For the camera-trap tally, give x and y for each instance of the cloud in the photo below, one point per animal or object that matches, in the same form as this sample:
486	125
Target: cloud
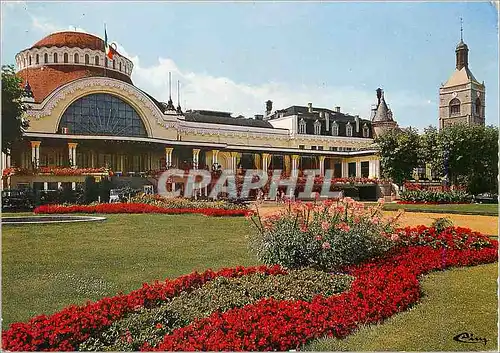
45	27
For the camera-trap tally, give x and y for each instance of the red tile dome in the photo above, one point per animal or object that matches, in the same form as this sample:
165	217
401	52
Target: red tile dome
72	40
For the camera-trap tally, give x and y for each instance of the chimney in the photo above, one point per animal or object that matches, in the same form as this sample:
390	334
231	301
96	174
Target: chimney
337	109
327	121
269	107
356	118
310	105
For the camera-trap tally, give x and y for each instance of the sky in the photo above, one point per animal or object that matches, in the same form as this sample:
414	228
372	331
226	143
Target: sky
234	56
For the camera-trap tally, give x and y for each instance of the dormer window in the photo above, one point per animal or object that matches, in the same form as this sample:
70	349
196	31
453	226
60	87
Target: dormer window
366	131
317	127
348	130
335	129
302	126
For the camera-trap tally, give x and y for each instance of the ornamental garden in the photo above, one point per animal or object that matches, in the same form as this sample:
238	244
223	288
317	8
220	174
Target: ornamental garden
287	279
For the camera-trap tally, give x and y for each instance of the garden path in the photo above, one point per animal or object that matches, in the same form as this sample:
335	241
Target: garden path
484	224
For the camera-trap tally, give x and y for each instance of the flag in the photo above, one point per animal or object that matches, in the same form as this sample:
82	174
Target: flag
108	48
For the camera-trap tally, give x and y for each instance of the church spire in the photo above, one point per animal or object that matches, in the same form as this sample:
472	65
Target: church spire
170	104
462	50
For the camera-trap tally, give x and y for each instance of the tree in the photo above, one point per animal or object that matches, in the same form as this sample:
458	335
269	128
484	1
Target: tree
399	153
13	108
430	151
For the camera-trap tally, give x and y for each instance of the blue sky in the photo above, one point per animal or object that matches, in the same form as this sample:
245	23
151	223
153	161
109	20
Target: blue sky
235	56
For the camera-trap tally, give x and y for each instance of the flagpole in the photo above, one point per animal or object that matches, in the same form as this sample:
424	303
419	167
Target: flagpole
105	54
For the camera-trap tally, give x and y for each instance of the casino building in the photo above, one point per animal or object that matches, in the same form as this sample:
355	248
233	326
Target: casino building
86	115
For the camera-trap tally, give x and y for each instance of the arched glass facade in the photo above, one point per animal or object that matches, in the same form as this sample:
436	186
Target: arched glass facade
101	114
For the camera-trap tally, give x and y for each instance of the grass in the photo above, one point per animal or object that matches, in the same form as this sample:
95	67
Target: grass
48	267
455	301
473	209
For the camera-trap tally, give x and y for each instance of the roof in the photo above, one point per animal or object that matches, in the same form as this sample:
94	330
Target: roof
460	77
383	112
304	112
46	79
72	40
213	117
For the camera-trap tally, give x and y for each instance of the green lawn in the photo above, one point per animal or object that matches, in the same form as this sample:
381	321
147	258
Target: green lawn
475	209
455	301
47	267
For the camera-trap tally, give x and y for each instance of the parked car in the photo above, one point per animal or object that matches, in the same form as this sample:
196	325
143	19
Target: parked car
486	198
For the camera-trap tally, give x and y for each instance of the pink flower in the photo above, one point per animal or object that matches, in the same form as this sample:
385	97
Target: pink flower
343	226
325	225
375	220
303	228
395	237
318	237
326	245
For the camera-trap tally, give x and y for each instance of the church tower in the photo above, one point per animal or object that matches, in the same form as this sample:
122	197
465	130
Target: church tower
462	97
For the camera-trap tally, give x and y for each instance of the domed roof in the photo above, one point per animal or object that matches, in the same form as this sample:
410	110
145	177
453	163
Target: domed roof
71	39
461	45
44	80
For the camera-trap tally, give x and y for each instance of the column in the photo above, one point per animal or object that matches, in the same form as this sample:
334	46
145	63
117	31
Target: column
377	168
35	153
266	159
233	162
92	159
358	169
371	169
344	170
168	157
215	154
72	154
196	153
295	165
321	165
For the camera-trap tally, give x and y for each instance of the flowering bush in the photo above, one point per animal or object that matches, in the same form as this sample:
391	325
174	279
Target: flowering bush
180	202
323	235
436	197
137	208
57	171
220	294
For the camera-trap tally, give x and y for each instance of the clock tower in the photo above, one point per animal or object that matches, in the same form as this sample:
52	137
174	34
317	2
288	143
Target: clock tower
462	97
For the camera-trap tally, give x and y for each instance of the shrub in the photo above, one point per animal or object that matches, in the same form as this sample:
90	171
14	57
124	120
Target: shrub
326	236
441	223
219	295
179	202
434	196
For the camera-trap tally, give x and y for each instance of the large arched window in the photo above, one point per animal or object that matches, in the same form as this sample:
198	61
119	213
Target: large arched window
102	114
454	107
76	58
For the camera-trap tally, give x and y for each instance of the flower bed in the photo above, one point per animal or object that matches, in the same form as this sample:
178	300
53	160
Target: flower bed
381	288
137	208
182	202
60	171
436	197
431	203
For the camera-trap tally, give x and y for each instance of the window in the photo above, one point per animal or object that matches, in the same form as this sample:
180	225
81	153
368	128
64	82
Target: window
320	148
302	126
335	129
76	58
365	169
313	148
317	127
65	58
96	60
45	58
29	60
366	131
301	147
348	129
37	60
102	114
114	64
454	107
333	148
105	61
87	60
351	170
55	58
478	106
120	66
